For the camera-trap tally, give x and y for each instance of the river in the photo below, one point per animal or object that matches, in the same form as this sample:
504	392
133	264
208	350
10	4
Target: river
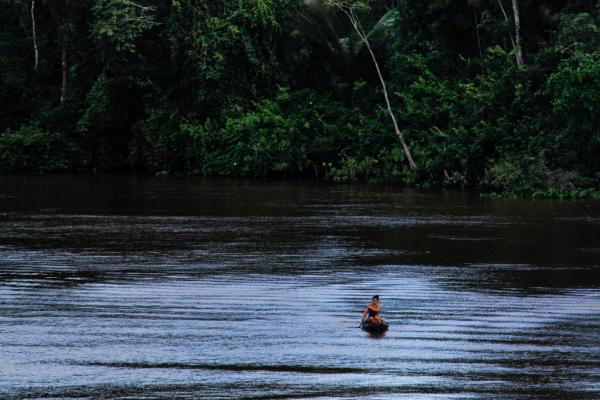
124	287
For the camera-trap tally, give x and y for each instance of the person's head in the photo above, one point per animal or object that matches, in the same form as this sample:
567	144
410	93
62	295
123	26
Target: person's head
375	299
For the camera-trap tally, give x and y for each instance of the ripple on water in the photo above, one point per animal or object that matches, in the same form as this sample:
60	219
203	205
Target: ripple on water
162	289
256	331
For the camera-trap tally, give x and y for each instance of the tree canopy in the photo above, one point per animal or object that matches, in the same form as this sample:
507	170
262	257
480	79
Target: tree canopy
492	95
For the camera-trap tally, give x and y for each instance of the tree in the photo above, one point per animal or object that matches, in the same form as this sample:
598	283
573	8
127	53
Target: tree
337	47
516	40
34	37
118	23
350	8
63	53
518	48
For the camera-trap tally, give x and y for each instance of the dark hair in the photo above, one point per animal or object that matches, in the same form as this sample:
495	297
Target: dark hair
375	297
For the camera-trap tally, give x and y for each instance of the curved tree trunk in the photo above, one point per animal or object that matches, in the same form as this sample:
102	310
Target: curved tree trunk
35	46
407	152
349	11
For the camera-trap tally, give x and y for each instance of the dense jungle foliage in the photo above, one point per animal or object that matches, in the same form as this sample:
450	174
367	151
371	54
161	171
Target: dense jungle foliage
286	88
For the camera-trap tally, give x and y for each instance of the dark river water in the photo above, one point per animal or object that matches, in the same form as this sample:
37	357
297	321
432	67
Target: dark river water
119	287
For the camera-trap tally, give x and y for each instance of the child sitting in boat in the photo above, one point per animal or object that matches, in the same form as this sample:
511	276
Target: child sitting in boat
373	310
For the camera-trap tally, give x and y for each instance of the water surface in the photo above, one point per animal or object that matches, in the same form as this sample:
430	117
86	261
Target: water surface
118	287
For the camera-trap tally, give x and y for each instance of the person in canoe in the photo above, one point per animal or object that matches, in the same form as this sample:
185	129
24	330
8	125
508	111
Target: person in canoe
373	311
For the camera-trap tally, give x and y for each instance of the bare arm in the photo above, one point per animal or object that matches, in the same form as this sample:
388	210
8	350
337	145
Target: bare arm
364	314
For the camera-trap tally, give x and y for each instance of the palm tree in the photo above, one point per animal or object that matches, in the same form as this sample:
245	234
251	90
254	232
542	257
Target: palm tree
347	49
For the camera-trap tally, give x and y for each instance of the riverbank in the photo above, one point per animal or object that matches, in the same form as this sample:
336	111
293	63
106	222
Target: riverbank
567	189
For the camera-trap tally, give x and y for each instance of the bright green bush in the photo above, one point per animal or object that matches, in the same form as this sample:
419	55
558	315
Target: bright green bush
574	90
516	174
293	134
32	149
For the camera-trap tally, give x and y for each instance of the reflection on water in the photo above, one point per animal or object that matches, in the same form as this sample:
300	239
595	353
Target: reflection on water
122	287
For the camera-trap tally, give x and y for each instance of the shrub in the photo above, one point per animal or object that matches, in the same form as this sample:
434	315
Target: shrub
32	149
516	175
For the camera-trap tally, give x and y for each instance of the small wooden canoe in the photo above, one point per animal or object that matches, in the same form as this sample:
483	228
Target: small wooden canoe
375	328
